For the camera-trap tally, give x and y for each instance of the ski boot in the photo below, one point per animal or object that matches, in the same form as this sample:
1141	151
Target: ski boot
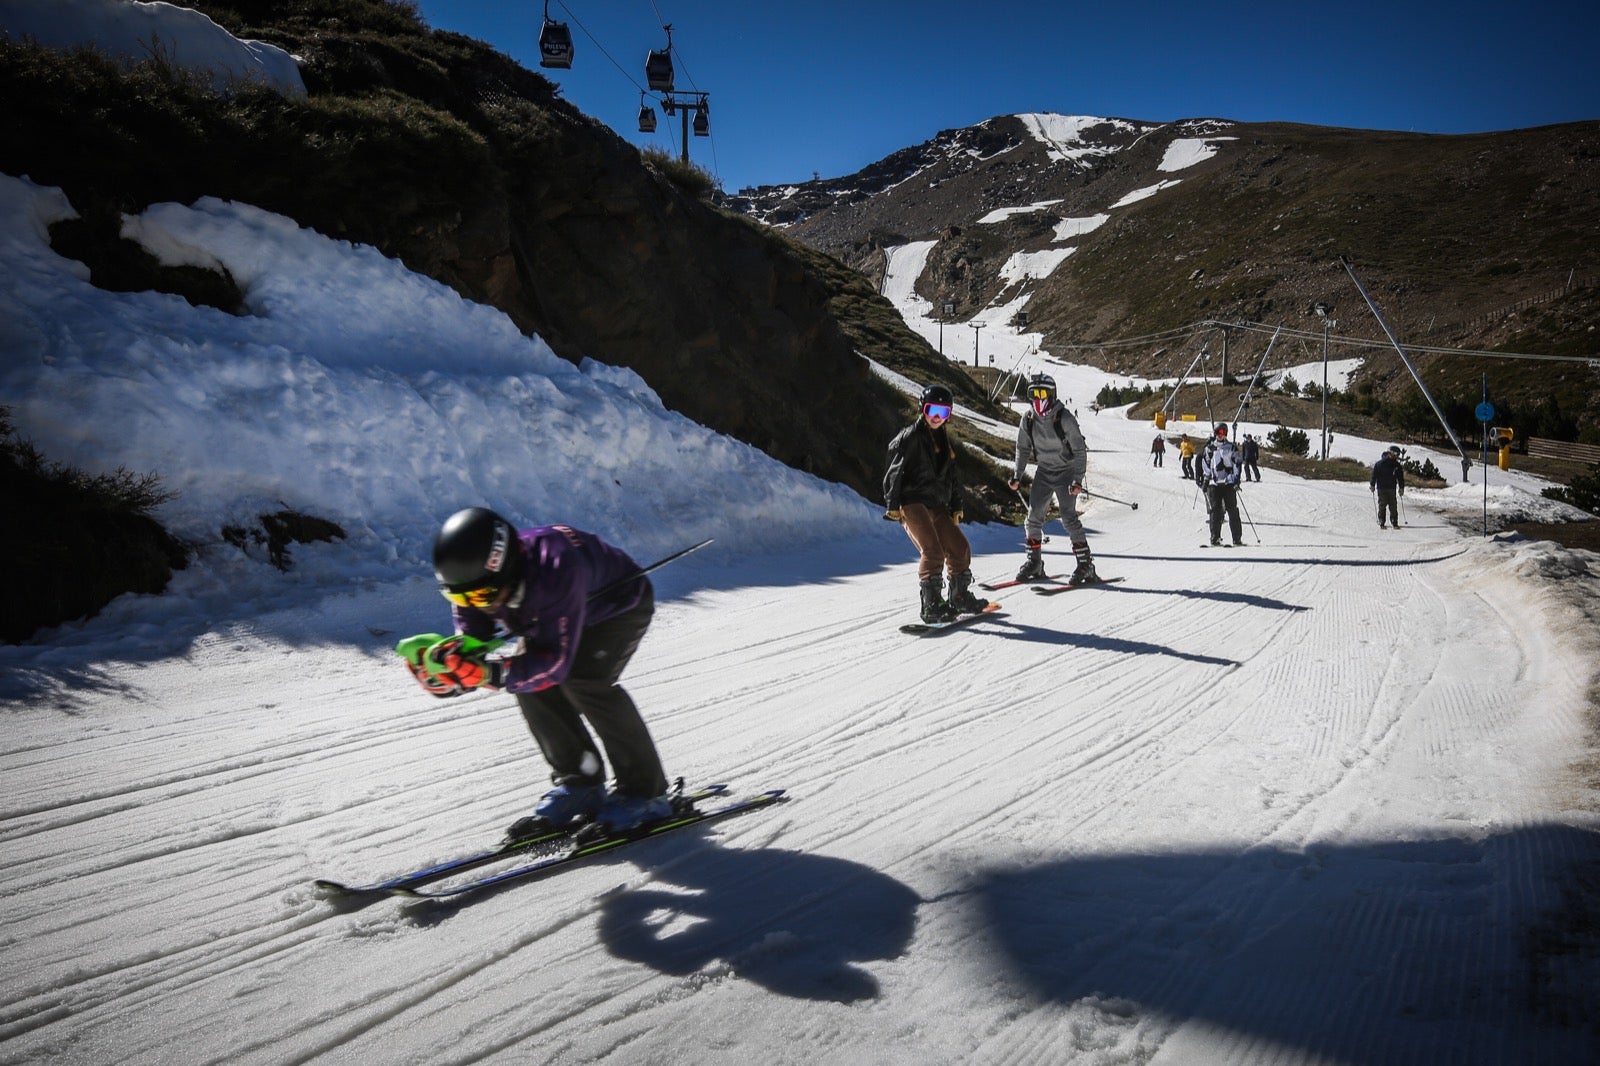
1033	568
573	799
622	813
1084	574
934	607
961	596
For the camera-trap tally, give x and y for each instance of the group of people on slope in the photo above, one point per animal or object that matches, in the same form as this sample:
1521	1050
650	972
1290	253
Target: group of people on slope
922	492
1250	453
553	614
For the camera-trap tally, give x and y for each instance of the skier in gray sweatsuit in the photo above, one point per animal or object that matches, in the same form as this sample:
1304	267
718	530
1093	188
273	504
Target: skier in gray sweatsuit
1050	437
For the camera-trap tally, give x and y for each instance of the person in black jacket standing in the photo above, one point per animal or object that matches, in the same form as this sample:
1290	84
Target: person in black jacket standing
1388	479
922	493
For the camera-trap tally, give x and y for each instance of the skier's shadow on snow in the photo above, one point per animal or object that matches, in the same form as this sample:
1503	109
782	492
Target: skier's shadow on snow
794	923
1014	630
1453	951
1221	597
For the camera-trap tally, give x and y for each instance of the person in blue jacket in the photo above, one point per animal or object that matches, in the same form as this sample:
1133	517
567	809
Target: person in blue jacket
571	609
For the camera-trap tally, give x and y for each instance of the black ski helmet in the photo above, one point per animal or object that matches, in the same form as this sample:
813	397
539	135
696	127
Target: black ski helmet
1220	430
1043	381
937	394
476	549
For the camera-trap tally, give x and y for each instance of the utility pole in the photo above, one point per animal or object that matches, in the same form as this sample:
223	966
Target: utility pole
976	326
1323	311
945	311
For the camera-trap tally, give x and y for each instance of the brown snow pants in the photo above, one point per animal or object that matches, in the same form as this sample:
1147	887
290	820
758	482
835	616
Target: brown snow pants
934	531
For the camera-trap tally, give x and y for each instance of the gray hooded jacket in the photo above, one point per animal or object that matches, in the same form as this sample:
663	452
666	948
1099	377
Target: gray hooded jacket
1054	441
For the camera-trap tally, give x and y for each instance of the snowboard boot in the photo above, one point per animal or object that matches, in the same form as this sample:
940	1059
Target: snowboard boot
1033	568
934	607
961	596
1084	574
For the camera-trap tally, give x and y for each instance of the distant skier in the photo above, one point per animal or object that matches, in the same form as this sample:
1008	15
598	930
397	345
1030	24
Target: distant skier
1388	480
538	587
922	493
1050	437
1186	456
1220	465
1158	450
1252	458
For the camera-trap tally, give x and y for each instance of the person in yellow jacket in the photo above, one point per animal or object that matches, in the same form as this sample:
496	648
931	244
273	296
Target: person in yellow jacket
1186	453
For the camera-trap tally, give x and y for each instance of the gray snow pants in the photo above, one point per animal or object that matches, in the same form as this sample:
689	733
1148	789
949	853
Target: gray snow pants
1056	483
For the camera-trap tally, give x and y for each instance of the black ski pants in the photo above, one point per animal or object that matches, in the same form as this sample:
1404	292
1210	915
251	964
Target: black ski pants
556	715
1224	498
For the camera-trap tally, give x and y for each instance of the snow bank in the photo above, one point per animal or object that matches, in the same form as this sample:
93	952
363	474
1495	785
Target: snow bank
352	389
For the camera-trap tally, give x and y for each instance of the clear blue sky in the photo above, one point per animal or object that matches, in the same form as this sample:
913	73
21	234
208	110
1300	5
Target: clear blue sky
828	87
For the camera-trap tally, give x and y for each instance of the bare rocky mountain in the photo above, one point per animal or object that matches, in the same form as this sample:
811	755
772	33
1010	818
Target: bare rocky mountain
1104	229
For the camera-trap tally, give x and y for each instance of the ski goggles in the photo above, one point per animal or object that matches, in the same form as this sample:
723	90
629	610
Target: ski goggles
1040	393
480	597
936	410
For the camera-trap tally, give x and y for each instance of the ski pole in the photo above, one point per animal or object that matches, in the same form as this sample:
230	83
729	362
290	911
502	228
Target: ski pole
643	570
1240	497
1113	499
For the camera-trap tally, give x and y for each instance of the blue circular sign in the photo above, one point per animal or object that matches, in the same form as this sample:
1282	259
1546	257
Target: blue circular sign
1485	412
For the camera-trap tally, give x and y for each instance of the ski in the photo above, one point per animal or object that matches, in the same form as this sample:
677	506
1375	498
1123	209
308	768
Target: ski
450	867
1224	544
583	849
922	629
995	586
1085	585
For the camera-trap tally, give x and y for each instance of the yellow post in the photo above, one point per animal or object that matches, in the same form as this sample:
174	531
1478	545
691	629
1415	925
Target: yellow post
1161	420
1505	433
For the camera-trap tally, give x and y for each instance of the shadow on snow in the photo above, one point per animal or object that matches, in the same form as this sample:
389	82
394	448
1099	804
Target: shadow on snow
1446	951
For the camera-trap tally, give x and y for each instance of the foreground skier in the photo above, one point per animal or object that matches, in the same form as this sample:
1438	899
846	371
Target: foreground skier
576	608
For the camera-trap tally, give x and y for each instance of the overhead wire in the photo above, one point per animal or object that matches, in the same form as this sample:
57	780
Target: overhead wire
602	49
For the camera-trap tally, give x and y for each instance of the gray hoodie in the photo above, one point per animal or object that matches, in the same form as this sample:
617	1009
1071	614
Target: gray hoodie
1054	441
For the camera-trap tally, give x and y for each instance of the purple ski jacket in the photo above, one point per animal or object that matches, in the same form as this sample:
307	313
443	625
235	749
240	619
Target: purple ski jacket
565	566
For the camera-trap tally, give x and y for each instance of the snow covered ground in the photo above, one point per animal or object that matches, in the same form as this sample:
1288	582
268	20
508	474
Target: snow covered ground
1317	799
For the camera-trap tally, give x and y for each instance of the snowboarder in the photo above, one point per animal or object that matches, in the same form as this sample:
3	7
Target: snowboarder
922	493
1050	437
1388	479
1252	458
1158	450
1186	456
1220	465
574	609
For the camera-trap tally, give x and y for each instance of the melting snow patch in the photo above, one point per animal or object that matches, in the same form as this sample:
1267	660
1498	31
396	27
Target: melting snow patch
1186	152
1143	194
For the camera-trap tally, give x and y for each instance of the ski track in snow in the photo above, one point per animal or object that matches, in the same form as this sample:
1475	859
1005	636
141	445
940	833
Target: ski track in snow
1285	803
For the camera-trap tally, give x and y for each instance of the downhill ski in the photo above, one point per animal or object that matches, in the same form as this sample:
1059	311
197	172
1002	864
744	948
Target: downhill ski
995	585
1085	585
451	867
585	849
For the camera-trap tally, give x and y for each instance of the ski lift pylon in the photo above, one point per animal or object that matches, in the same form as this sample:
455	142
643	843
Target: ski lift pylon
658	67
555	42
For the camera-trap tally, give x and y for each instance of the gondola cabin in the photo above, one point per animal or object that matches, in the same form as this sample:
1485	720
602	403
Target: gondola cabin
647	118
658	70
555	45
702	122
